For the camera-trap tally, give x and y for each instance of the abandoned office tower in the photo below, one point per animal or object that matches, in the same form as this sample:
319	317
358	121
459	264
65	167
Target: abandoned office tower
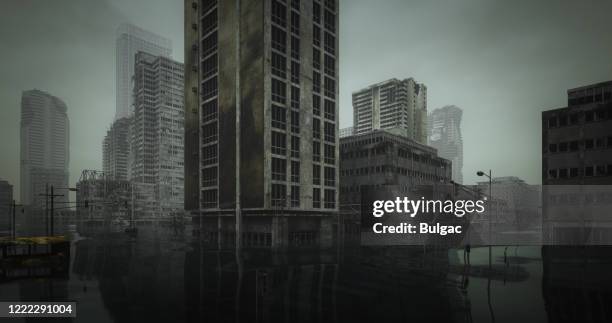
157	132
398	106
261	122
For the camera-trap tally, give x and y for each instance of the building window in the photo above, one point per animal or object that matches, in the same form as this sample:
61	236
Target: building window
563	147
552	122
330	132
600	170
316	58
209	88
279	39
295	171
552	148
295	97
316	12
316	105
330	110
279	117
279	143
330	176
330	21
563	173
316	128
295	72
316	35
574	172
295	5
295	22
209	155
209	176
316	198
316	174
588	171
295	48
209	110
552	173
279	195
573	145
295	121
209	132
330	87
330	4
209	22
589	143
279	169
209	199
209	66
295	146
330	65
330	199
279	65
330	154
589	116
279	91
316	151
295	196
316	82
279	13
209	44
330	43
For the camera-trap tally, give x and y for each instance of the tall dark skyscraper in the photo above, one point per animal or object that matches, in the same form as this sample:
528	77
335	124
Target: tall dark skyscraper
45	142
262	118
444	132
156	135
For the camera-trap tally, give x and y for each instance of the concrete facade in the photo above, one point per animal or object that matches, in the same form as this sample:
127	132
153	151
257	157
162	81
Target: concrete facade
381	158
264	118
399	104
444	134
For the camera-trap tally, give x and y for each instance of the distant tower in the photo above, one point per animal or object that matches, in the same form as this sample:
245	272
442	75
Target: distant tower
116	150
444	130
396	105
45	141
130	40
156	135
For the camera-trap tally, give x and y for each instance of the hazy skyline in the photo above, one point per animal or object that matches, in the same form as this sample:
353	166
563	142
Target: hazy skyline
501	62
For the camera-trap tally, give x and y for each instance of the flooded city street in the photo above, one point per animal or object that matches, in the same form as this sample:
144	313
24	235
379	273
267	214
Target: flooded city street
167	277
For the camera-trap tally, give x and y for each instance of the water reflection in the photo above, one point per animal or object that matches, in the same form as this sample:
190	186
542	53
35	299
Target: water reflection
166	277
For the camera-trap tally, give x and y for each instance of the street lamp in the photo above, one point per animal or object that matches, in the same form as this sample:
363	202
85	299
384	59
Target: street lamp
481	173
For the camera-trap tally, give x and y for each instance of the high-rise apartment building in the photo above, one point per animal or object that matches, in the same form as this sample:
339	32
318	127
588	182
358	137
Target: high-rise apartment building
6	201
116	150
262	120
157	131
45	142
444	134
130	40
392	104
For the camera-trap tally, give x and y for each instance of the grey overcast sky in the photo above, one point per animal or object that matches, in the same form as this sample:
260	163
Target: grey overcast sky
502	62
